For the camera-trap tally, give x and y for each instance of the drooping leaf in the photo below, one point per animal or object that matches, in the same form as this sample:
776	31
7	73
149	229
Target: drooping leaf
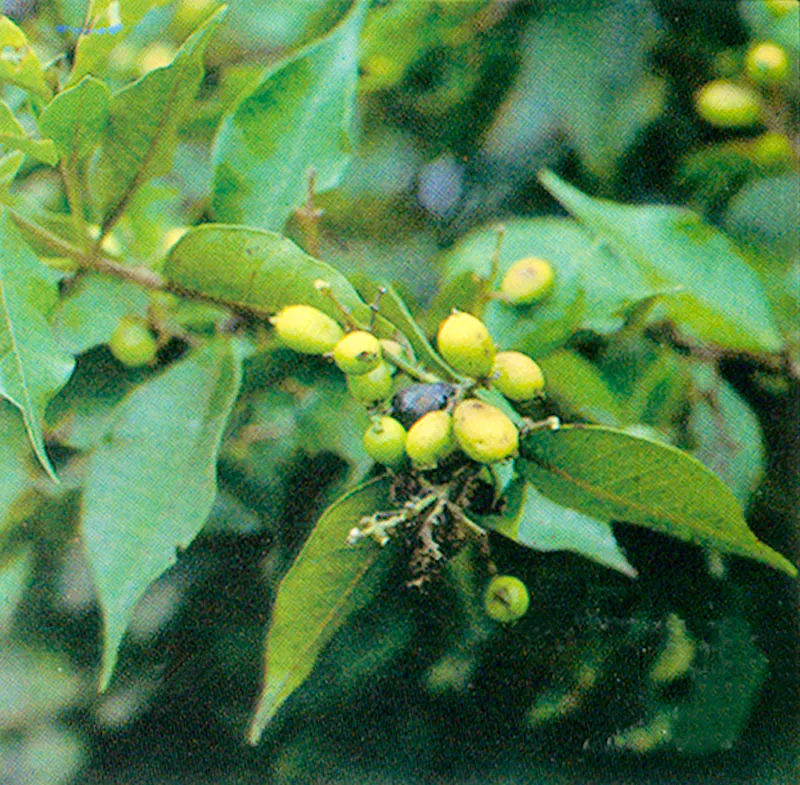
151	482
537	522
88	315
612	475
116	20
328	582
258	269
13	135
75	118
721	298
19	64
139	139
33	367
297	119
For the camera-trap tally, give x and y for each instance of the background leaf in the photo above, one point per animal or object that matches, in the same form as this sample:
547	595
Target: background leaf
612	475
297	119
19	64
140	137
328	582
13	135
75	118
721	301
16	475
33	367
164	438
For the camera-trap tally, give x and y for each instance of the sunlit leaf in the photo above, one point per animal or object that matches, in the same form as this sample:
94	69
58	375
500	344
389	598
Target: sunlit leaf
19	64
297	119
328	582
151	482
612	475
33	367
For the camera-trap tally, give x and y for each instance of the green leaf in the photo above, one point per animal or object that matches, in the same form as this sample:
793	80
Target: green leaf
328	582
88	315
296	120
19	64
578	385
14	575
13	135
257	269
722	299
117	19
140	137
16	476
75	118
151	483
33	367
536	522
615	476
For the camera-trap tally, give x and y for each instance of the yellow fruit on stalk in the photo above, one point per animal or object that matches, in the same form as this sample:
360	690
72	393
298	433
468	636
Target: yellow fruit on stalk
483	432
430	439
358	352
465	343
527	281
517	376
306	329
384	442
373	387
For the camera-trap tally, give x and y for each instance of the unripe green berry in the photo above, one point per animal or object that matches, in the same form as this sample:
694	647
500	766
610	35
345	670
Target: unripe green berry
506	598
369	388
132	343
780	8
466	344
358	352
306	329
430	439
384	442
517	376
724	104
483	432
772	149
527	281
767	63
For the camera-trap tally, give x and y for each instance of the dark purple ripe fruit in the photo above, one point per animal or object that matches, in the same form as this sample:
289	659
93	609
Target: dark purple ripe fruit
416	400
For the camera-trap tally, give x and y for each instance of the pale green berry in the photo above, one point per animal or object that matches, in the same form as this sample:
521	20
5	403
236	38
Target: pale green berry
358	352
767	63
371	387
430	439
132	343
724	104
306	329
527	281
483	432
384	442
465	343
517	376
506	598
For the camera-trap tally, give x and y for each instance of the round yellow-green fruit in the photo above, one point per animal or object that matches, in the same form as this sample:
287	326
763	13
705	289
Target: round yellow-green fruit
358	352
506	598
373	386
384	442
767	63
527	281
465	343
483	432
132	343
430	439
306	329
517	376
724	104
772	149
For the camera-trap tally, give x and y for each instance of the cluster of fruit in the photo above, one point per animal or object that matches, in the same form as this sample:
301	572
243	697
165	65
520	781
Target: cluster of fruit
738	102
428	421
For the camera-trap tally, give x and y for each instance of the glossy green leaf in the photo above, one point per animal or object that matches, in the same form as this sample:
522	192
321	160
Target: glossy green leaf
537	522
257	269
13	135
296	120
89	313
328	582
33	367
721	298
576	384
612	475
117	19
139	140
151	482
19	64
75	118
